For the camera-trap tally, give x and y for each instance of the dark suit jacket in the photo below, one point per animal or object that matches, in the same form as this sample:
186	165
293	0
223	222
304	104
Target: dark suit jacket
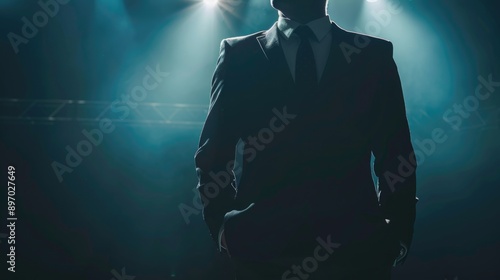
309	173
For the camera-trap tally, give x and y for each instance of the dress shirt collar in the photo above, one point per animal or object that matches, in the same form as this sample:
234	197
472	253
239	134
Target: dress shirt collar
320	27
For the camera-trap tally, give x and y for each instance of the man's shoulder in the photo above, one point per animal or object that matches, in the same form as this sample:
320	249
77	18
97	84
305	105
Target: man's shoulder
243	41
358	40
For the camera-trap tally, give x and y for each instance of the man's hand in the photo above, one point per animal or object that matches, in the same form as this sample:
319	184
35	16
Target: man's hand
402	254
403	250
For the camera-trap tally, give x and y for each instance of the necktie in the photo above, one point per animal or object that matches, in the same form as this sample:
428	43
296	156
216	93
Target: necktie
306	77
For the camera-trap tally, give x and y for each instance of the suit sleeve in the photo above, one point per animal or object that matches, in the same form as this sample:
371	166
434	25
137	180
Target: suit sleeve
215	156
395	164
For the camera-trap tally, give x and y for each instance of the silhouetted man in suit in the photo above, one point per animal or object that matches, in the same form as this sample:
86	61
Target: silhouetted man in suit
310	103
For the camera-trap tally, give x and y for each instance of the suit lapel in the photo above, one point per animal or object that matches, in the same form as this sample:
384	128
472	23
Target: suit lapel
335	77
336	68
270	45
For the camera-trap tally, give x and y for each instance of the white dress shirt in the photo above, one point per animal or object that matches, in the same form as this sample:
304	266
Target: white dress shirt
322	29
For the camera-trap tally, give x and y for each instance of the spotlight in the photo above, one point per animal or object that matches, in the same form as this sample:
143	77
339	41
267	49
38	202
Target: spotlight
211	3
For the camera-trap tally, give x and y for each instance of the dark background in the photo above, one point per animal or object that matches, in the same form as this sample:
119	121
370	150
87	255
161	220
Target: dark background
120	207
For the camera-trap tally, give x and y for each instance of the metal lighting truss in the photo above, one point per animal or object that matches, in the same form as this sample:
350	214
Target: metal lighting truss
39	111
48	112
